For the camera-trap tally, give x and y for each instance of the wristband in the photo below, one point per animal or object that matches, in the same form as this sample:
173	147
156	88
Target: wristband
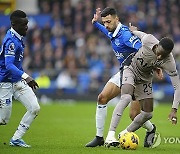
25	75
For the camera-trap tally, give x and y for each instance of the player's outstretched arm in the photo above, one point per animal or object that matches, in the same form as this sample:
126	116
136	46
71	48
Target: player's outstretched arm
135	31
96	15
97	24
170	68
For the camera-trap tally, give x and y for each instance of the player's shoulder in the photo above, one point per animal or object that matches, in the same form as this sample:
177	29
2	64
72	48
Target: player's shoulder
150	40
10	38
125	29
126	33
10	42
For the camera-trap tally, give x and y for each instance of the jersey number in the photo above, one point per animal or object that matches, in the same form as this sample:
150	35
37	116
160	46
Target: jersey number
147	88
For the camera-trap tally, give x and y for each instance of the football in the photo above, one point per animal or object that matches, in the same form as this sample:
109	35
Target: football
129	141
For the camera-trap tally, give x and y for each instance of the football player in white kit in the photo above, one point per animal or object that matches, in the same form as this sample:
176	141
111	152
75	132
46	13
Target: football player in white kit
137	80
14	81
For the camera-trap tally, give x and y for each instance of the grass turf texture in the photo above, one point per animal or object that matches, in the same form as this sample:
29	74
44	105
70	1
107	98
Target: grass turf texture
65	128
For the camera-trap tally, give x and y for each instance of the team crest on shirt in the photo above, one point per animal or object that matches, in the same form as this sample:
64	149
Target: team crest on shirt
11	47
118	55
117	42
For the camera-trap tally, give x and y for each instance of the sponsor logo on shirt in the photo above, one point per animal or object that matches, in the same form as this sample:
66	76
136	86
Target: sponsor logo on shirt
118	55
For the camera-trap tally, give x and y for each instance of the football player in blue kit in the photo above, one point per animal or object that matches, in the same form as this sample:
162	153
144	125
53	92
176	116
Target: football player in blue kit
14	82
124	44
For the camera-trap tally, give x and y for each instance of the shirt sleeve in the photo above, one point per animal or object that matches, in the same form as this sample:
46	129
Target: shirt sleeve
131	40
10	51
147	39
139	34
170	67
101	28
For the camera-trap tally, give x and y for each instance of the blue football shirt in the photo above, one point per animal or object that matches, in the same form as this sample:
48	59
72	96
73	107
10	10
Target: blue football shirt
122	40
11	57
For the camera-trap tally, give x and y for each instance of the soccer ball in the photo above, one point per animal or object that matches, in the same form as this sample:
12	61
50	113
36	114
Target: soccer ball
129	141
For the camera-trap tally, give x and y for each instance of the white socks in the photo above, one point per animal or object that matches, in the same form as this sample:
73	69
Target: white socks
19	132
111	134
24	125
101	112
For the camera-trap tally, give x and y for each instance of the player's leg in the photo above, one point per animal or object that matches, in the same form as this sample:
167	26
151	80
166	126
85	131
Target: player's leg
150	134
110	91
145	114
6	93
135	109
143	92
126	98
26	96
127	90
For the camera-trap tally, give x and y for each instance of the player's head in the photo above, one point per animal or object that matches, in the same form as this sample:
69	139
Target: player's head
110	18
19	22
164	48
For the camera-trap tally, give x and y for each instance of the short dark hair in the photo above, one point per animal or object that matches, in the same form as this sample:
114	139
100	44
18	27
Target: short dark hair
17	14
167	44
108	11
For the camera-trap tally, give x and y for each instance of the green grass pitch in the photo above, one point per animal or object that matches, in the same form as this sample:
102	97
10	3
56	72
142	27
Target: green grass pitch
65	128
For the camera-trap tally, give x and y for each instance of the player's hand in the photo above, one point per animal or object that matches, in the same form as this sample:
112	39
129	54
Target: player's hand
32	83
96	15
132	28
172	116
159	73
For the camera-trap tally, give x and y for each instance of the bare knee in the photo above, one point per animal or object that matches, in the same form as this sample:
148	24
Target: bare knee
133	114
135	109
102	99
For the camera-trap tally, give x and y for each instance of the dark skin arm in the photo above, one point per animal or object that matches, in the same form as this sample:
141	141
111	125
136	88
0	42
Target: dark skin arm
173	116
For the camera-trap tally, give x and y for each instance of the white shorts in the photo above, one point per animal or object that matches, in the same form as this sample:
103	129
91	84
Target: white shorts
115	79
21	91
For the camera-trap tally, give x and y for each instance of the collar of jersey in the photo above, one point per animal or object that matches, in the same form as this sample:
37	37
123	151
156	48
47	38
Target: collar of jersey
117	30
16	34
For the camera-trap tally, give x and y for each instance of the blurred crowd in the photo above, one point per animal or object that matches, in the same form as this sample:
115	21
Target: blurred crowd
69	53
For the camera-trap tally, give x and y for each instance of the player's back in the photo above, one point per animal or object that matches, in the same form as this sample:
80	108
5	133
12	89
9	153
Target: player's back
145	60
